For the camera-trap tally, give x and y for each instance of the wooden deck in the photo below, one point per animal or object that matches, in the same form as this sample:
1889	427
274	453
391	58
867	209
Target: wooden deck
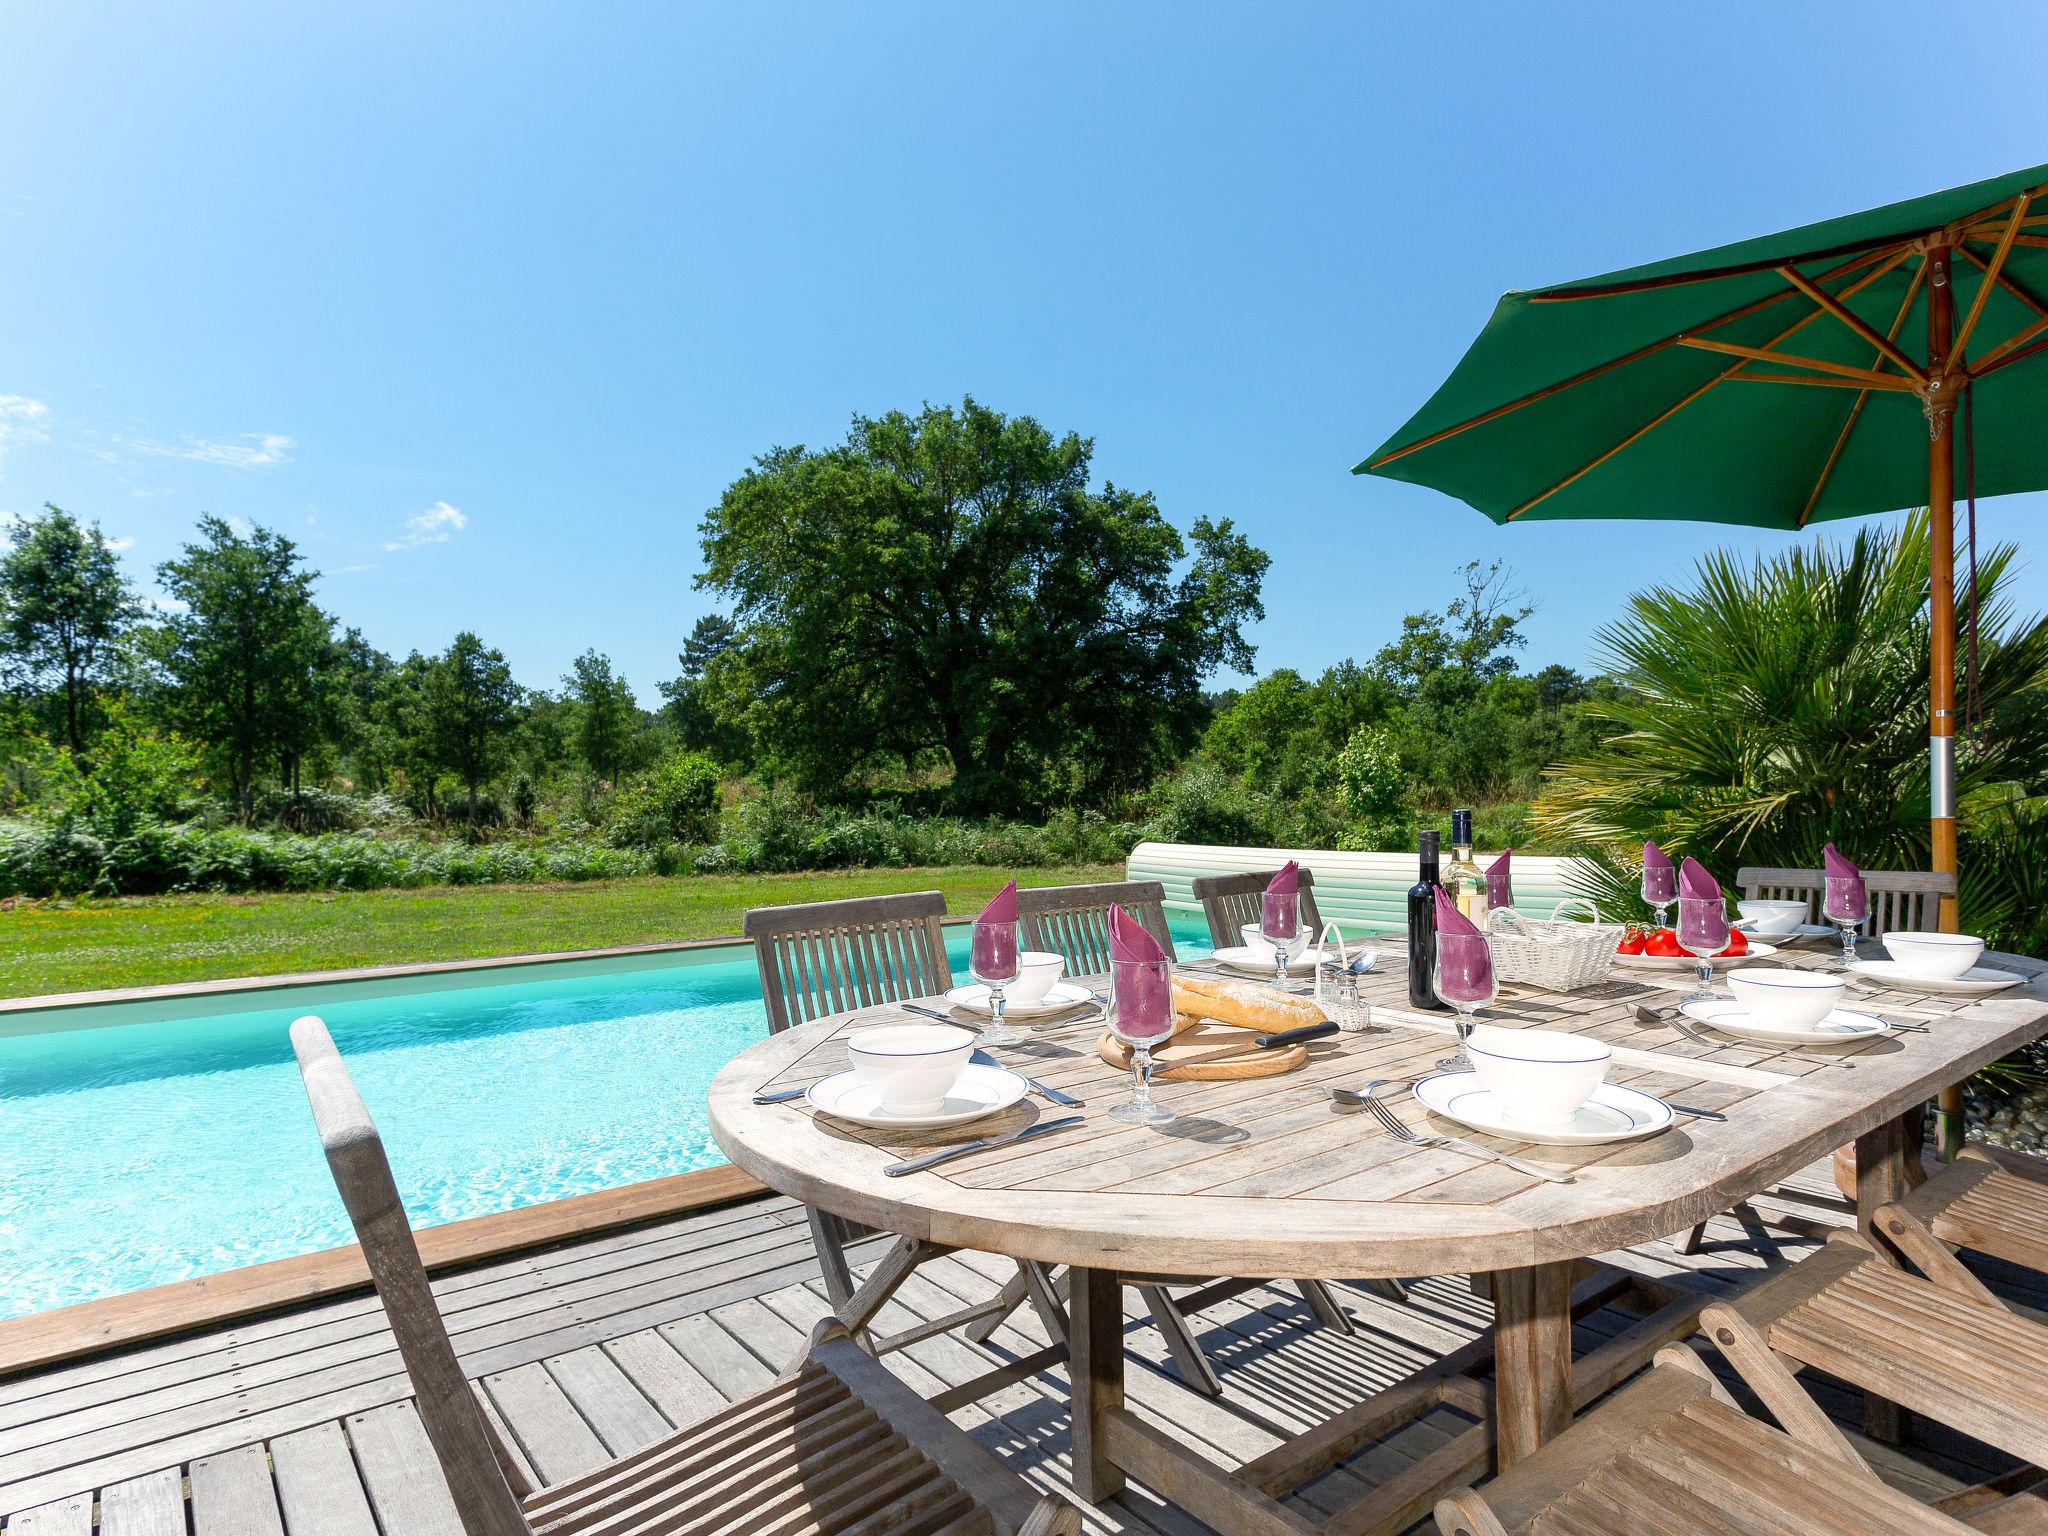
299	1422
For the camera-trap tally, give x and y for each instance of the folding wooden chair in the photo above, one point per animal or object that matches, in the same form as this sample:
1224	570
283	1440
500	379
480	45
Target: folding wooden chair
1231	901
1989	1199
1672	1455
836	1445
1907	899
831	956
1952	1354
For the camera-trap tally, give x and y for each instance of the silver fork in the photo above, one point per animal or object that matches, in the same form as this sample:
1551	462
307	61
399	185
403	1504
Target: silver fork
1394	1127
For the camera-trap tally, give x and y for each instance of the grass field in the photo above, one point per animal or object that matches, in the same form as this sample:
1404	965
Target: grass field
72	946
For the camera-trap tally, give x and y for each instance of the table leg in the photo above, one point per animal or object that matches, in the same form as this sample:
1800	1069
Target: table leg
1532	1358
1881	1176
1095	1366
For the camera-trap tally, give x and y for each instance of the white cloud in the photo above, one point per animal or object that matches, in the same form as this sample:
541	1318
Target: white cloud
247	450
162	604
120	545
437	525
22	420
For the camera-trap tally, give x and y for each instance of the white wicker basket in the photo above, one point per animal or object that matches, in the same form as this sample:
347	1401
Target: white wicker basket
1553	954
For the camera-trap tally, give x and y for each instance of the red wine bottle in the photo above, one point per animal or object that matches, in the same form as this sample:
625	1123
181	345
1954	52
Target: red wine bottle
1422	928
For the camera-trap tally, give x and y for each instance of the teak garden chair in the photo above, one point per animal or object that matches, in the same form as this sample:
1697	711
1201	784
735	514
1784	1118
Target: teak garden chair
1900	899
1989	1199
1072	921
831	956
1672	1453
1231	901
837	1445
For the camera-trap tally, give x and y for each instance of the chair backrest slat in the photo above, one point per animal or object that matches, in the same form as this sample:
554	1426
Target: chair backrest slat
1231	901
1072	921
1899	898
454	1423
831	956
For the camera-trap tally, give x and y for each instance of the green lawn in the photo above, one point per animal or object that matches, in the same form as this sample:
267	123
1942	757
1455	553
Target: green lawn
67	946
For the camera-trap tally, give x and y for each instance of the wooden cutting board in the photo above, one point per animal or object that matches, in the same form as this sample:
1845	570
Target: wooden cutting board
1206	1051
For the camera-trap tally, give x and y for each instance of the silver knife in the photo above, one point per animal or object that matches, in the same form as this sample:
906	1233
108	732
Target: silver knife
946	1154
1043	1090
780	1095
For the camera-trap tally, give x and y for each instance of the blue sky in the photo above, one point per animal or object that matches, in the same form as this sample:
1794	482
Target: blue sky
485	304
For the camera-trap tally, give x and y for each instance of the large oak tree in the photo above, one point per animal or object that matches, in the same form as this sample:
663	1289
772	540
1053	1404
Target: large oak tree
947	588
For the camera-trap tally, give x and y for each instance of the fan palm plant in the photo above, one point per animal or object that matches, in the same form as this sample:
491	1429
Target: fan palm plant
1781	704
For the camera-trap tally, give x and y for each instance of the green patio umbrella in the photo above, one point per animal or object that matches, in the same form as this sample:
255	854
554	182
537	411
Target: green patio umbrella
1777	382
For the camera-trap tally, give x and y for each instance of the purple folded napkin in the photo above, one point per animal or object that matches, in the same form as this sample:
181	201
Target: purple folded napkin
1695	883
1450	922
1702	916
1464	960
1280	911
1500	890
1847	897
995	935
1140	981
1660	881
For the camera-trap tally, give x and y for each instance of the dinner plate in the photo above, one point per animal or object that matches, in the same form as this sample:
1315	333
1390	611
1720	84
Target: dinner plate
1977	981
980	1091
1731	1018
1613	1113
1798	935
1059	997
1758	950
1242	957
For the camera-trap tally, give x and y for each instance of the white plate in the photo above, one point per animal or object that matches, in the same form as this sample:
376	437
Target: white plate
1758	950
1843	1024
980	1091
1803	932
1614	1113
1059	997
1242	957
1977	981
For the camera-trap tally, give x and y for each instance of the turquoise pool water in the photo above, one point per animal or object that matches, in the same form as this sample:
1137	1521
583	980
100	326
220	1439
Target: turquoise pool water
145	1152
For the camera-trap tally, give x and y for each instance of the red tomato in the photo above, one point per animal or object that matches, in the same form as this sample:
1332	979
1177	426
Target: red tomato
1631	941
1737	943
1664	942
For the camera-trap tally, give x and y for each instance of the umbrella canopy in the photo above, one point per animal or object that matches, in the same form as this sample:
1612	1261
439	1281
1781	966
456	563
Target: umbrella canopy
1774	382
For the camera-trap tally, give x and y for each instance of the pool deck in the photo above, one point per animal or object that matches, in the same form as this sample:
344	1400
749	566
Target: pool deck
299	1421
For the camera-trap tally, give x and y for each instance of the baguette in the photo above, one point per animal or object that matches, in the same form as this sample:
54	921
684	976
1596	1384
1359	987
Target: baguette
1244	1004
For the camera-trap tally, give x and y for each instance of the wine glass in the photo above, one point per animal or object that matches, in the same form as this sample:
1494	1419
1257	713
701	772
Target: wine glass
1280	926
1465	980
995	962
1141	1015
1660	888
1846	904
1703	934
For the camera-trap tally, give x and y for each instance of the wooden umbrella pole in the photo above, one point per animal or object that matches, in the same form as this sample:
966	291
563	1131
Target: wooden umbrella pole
1940	400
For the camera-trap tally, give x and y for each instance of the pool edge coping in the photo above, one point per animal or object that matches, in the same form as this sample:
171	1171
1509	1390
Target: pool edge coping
44	1339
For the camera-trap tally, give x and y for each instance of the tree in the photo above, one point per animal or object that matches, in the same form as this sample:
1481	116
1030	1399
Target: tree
606	714
64	605
244	659
1478	631
709	638
471	705
947	590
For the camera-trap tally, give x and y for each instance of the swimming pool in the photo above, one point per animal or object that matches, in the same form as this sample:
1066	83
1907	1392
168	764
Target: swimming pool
141	1148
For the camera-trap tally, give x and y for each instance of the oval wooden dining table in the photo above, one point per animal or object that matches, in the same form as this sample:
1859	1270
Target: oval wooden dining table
1267	1178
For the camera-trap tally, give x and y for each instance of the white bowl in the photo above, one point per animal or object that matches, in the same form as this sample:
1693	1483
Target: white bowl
1938	956
1783	998
1537	1076
911	1067
1261	946
1772	919
1037	970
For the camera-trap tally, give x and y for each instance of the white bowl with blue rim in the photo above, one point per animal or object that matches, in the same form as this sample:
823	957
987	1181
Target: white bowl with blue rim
1037	970
1780	997
1937	956
1537	1076
910	1067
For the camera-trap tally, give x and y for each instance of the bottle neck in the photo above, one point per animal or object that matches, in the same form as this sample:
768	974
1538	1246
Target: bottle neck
1461	853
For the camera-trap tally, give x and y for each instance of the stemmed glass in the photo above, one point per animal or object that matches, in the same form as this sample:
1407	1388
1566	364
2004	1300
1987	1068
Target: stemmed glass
1660	888
1703	934
1140	1015
995	962
1846	904
1465	980
1280	926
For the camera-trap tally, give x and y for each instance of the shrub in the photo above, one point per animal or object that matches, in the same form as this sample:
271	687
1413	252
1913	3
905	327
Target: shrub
676	803
1203	804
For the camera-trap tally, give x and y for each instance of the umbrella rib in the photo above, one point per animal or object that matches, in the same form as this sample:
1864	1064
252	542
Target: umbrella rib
1865	376
1741	312
2006	359
1824	381
1862	397
1995	359
1855	322
1670	411
2012	228
2008	282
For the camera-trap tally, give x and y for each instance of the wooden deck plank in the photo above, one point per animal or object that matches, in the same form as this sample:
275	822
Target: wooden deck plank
612	1406
318	1486
232	1495
716	1355
669	1381
60	1517
400	1474
153	1505
554	1436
